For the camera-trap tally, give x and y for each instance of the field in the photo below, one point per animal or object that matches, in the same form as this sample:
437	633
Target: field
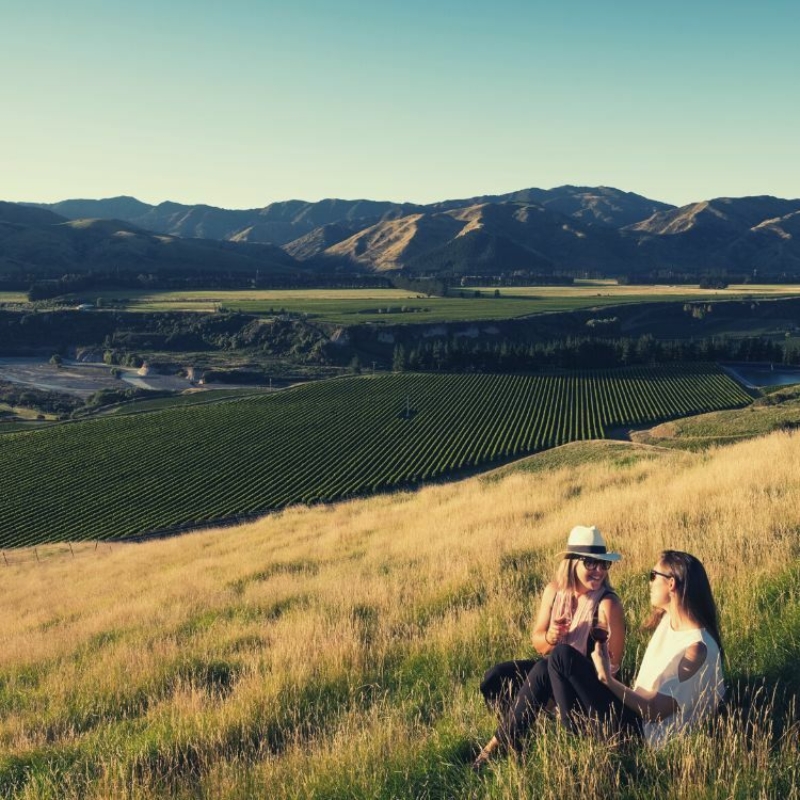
193	465
352	306
13	299
335	652
779	410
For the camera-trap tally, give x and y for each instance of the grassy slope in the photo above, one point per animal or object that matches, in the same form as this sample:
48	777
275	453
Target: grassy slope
779	410
336	651
125	475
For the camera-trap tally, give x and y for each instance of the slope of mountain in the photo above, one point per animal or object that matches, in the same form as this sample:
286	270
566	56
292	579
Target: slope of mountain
15	214
388	245
320	239
193	222
479	253
123	207
601	205
47	248
285	221
601	229
277	223
771	246
707	235
717	216
529	235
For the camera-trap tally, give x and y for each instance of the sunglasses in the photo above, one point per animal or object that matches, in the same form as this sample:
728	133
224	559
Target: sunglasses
594	563
654	572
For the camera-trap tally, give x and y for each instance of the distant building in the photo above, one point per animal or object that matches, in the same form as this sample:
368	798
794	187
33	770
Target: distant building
194	375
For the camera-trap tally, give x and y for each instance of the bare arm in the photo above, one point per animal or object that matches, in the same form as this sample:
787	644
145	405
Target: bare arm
610	611
649	704
545	633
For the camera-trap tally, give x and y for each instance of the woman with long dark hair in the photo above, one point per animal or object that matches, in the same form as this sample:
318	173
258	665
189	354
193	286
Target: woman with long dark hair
680	680
577	604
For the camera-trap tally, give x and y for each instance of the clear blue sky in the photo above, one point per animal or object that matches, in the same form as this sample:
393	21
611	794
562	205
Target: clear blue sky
245	102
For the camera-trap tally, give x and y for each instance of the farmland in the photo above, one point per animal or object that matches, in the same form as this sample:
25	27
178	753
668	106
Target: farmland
354	306
127	475
336	651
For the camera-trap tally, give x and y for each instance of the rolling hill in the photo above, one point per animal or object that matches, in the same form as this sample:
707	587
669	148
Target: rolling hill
569	229
36	243
336	651
725	233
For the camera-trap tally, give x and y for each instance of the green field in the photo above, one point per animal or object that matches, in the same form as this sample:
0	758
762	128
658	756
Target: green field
124	475
335	652
351	306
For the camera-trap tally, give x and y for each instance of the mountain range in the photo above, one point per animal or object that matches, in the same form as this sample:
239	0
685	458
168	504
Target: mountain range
536	231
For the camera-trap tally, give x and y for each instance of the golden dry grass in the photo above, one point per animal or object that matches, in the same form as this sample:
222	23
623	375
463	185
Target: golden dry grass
335	651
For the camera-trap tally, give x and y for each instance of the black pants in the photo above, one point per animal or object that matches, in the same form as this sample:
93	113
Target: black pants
517	691
579	693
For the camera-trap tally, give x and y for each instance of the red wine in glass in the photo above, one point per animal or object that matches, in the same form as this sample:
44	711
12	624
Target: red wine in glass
600	632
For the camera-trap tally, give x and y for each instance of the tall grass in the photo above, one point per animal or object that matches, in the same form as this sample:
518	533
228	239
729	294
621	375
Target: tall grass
336	651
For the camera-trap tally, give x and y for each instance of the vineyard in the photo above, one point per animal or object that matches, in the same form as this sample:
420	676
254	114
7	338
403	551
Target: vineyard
115	477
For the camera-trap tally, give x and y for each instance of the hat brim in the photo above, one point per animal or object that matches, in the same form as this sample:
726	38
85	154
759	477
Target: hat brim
598	556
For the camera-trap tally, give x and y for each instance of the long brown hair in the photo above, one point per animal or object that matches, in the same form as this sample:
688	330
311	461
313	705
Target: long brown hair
694	591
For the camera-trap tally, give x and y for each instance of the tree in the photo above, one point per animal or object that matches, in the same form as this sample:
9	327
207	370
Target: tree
399	359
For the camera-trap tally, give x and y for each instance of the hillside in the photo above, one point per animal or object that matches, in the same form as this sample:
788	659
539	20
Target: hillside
277	223
567	229
387	245
523	237
720	233
319	443
337	651
601	205
35	243
317	241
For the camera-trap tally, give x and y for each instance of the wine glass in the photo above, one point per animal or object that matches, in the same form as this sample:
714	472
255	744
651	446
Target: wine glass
599	631
562	613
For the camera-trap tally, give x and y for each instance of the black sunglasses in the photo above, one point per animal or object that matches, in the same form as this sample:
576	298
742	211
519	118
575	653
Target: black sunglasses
594	563
654	572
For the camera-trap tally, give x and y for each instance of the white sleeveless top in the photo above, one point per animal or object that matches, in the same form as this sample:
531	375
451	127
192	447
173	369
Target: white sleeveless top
696	697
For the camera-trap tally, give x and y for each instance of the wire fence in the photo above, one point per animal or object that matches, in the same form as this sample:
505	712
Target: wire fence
47	552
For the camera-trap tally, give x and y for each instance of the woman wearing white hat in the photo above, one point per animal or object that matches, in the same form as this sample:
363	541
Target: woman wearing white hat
680	680
578	607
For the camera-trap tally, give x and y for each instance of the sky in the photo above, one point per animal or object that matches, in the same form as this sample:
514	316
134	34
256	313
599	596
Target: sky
242	103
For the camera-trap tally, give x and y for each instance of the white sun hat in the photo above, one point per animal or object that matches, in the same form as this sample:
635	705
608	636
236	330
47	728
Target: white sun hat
588	541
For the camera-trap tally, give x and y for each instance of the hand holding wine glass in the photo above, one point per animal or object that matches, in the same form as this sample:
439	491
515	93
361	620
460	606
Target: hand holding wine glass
600	655
560	619
600	631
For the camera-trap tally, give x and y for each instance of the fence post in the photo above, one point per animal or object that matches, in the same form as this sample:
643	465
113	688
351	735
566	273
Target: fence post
36	553
70	549
4	557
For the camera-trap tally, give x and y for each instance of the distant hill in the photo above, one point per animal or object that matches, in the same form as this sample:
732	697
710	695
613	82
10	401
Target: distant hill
277	223
125	208
724	233
601	205
489	237
37	243
320	239
569	228
14	214
770	243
